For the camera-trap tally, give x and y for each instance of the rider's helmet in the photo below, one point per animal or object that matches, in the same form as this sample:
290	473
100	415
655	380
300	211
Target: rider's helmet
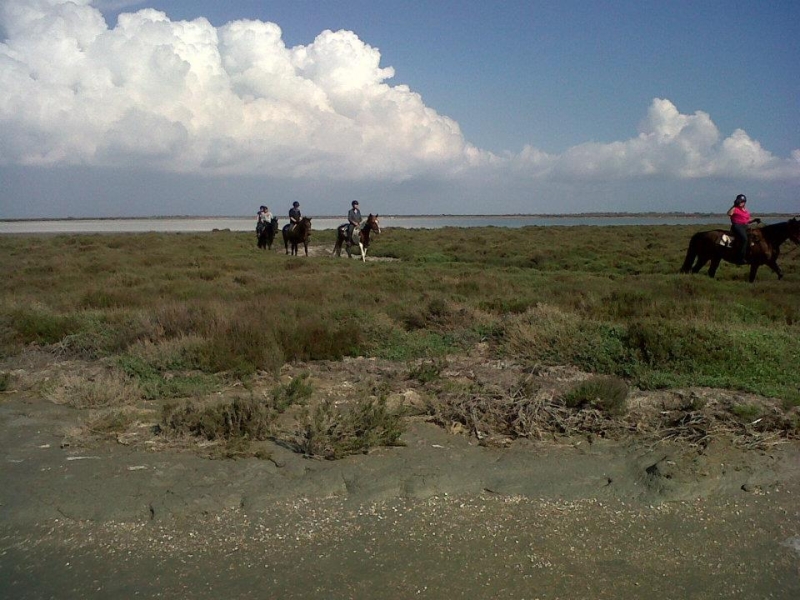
295	204
740	199
354	203
263	208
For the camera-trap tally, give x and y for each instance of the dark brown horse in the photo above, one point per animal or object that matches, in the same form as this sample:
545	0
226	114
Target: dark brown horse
300	234
764	247
370	225
266	233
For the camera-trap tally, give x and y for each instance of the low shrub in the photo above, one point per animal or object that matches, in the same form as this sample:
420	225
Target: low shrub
156	381
246	418
5	381
40	325
331	432
427	370
606	394
240	347
109	423
746	412
297	391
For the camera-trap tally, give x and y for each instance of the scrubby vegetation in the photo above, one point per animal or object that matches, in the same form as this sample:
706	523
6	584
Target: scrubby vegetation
176	317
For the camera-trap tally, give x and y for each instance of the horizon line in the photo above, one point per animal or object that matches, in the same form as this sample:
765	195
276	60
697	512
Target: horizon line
407	216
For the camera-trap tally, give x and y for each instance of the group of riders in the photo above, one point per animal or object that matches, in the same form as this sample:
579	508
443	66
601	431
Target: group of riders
738	213
265	217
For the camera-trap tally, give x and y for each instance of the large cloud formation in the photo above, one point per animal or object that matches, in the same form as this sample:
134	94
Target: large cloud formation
188	97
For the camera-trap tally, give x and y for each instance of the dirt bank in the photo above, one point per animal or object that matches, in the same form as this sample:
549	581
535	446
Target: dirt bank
445	515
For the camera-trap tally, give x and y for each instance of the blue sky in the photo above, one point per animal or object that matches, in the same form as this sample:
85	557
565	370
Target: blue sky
431	107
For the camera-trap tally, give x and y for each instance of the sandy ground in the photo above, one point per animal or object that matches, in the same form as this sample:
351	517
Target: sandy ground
441	517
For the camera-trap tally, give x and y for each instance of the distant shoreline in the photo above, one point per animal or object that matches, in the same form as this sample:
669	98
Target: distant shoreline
587	215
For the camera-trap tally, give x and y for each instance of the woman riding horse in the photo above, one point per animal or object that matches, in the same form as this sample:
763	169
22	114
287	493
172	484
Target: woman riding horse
765	248
372	224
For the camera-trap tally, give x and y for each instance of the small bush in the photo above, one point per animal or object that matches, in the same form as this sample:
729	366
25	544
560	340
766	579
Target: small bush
110	423
334	433
156	383
245	418
607	394
297	391
5	381
41	326
746	412
427	371
239	347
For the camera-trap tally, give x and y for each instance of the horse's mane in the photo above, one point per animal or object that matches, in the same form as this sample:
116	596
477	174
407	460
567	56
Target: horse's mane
777	233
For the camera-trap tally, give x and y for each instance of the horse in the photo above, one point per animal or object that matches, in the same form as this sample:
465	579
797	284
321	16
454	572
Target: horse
370	225
301	233
763	248
266	233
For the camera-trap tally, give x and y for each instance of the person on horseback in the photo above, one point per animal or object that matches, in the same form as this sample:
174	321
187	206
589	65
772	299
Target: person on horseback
353	220
294	215
264	217
740	219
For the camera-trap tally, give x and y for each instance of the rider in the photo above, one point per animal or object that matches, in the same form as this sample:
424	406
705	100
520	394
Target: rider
264	217
294	215
353	219
740	219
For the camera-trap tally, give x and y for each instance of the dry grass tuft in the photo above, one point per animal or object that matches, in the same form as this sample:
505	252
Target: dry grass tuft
595	408
103	390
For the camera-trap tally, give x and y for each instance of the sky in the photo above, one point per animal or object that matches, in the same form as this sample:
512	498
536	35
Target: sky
121	108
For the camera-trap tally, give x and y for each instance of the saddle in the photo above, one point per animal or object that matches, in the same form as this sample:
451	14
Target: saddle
353	240
754	236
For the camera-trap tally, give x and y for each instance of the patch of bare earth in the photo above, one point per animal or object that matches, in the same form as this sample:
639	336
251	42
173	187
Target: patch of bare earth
497	491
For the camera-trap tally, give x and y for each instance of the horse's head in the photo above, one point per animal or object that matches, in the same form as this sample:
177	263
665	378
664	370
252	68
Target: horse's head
373	223
794	229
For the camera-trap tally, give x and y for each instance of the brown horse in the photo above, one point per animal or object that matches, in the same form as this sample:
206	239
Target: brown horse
301	233
266	233
764	246
370	225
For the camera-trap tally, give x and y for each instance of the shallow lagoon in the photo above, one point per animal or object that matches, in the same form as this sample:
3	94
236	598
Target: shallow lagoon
191	224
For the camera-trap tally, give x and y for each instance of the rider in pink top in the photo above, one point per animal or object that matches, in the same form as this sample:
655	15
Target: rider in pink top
739	214
740	219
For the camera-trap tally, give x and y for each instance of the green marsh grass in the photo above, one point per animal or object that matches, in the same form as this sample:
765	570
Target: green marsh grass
607	299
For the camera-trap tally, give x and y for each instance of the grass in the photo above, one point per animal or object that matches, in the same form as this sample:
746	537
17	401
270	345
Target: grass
105	389
181	313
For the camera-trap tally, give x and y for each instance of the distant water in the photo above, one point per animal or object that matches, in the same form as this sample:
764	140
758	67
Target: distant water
189	224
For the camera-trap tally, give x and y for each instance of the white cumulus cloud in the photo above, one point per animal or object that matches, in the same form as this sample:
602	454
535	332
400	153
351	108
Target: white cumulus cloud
669	144
188	97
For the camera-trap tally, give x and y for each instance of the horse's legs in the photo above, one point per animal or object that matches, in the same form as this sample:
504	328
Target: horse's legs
363	252
773	265
305	247
712	270
753	270
701	262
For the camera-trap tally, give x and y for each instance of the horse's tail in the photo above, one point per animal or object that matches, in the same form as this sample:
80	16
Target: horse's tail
691	254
